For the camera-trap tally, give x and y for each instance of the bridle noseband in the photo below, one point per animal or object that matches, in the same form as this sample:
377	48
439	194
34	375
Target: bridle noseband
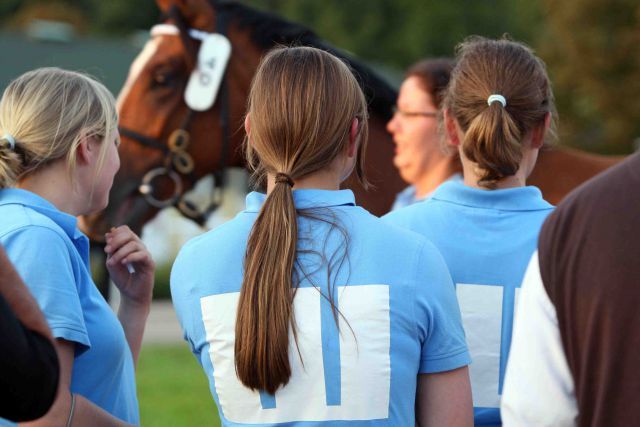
178	163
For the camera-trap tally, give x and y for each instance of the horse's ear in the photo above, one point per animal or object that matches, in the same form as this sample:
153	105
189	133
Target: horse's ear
198	13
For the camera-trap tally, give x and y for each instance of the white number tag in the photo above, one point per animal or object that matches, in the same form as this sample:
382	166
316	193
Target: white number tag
202	89
487	316
362	368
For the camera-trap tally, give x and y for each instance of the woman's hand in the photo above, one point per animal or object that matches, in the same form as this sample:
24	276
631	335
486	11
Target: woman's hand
125	247
135	282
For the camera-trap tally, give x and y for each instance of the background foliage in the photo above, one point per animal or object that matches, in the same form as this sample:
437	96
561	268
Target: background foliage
591	46
593	50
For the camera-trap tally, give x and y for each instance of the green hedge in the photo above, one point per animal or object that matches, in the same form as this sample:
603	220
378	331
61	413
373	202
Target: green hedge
161	288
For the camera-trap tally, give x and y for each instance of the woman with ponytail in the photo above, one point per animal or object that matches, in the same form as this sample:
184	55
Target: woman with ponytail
305	309
497	110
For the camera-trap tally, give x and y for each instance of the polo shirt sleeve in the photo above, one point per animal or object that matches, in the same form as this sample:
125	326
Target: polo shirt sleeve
42	258
438	321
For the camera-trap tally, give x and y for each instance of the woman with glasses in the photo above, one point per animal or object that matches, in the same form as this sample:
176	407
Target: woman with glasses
420	156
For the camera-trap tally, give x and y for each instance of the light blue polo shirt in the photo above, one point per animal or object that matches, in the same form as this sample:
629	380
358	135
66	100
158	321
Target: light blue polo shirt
52	256
398	317
487	239
407	197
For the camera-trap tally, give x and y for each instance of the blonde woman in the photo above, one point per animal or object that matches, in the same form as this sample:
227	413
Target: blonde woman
58	156
302	310
497	110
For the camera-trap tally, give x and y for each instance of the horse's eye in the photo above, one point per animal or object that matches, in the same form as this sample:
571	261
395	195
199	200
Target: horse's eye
163	79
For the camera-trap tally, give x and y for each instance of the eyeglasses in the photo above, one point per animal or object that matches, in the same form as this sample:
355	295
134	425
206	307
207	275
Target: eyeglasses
410	114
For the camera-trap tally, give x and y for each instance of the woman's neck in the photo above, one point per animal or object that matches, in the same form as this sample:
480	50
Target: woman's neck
320	180
436	175
53	184
472	173
328	178
507	182
472	176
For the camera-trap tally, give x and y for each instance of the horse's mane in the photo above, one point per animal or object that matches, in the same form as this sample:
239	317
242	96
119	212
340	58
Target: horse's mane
268	30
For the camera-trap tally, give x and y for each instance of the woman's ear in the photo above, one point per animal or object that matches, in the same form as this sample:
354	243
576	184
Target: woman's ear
451	128
247	124
354	132
86	150
538	133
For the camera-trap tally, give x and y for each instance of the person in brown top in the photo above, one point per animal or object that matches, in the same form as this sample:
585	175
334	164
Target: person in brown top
576	343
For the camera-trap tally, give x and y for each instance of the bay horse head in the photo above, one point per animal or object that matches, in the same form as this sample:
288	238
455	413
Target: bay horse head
167	145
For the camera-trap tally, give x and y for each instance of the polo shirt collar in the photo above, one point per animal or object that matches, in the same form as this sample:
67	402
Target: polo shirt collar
26	198
306	199
527	198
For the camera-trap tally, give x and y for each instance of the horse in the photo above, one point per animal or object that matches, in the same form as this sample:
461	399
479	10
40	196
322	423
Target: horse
167	146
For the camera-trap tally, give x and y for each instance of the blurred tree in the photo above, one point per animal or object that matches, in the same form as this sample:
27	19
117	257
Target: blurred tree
113	16
399	32
124	16
8	8
592	48
392	32
21	13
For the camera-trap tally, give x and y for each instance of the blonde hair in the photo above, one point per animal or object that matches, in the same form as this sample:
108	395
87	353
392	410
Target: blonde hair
302	105
493	134
49	111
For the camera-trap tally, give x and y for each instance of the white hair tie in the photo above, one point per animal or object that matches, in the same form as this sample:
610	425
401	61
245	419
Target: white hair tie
10	139
495	97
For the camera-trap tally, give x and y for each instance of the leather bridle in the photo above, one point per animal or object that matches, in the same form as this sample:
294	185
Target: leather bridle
178	164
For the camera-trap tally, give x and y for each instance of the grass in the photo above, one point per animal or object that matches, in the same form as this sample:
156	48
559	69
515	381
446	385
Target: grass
172	388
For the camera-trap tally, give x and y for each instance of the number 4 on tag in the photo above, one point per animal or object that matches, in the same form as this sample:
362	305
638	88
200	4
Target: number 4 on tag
205	80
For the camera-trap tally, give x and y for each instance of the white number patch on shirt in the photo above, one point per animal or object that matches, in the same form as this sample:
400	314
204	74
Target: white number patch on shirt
487	319
360	376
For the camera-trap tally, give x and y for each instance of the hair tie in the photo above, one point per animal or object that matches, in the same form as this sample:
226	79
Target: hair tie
10	139
283	177
495	97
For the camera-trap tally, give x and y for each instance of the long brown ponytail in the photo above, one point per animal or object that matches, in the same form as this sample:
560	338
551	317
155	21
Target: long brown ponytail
493	133
301	106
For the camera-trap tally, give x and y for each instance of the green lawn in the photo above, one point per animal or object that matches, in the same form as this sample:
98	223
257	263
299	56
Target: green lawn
172	389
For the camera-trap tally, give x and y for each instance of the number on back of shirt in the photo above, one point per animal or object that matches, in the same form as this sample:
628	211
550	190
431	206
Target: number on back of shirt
339	377
487	315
